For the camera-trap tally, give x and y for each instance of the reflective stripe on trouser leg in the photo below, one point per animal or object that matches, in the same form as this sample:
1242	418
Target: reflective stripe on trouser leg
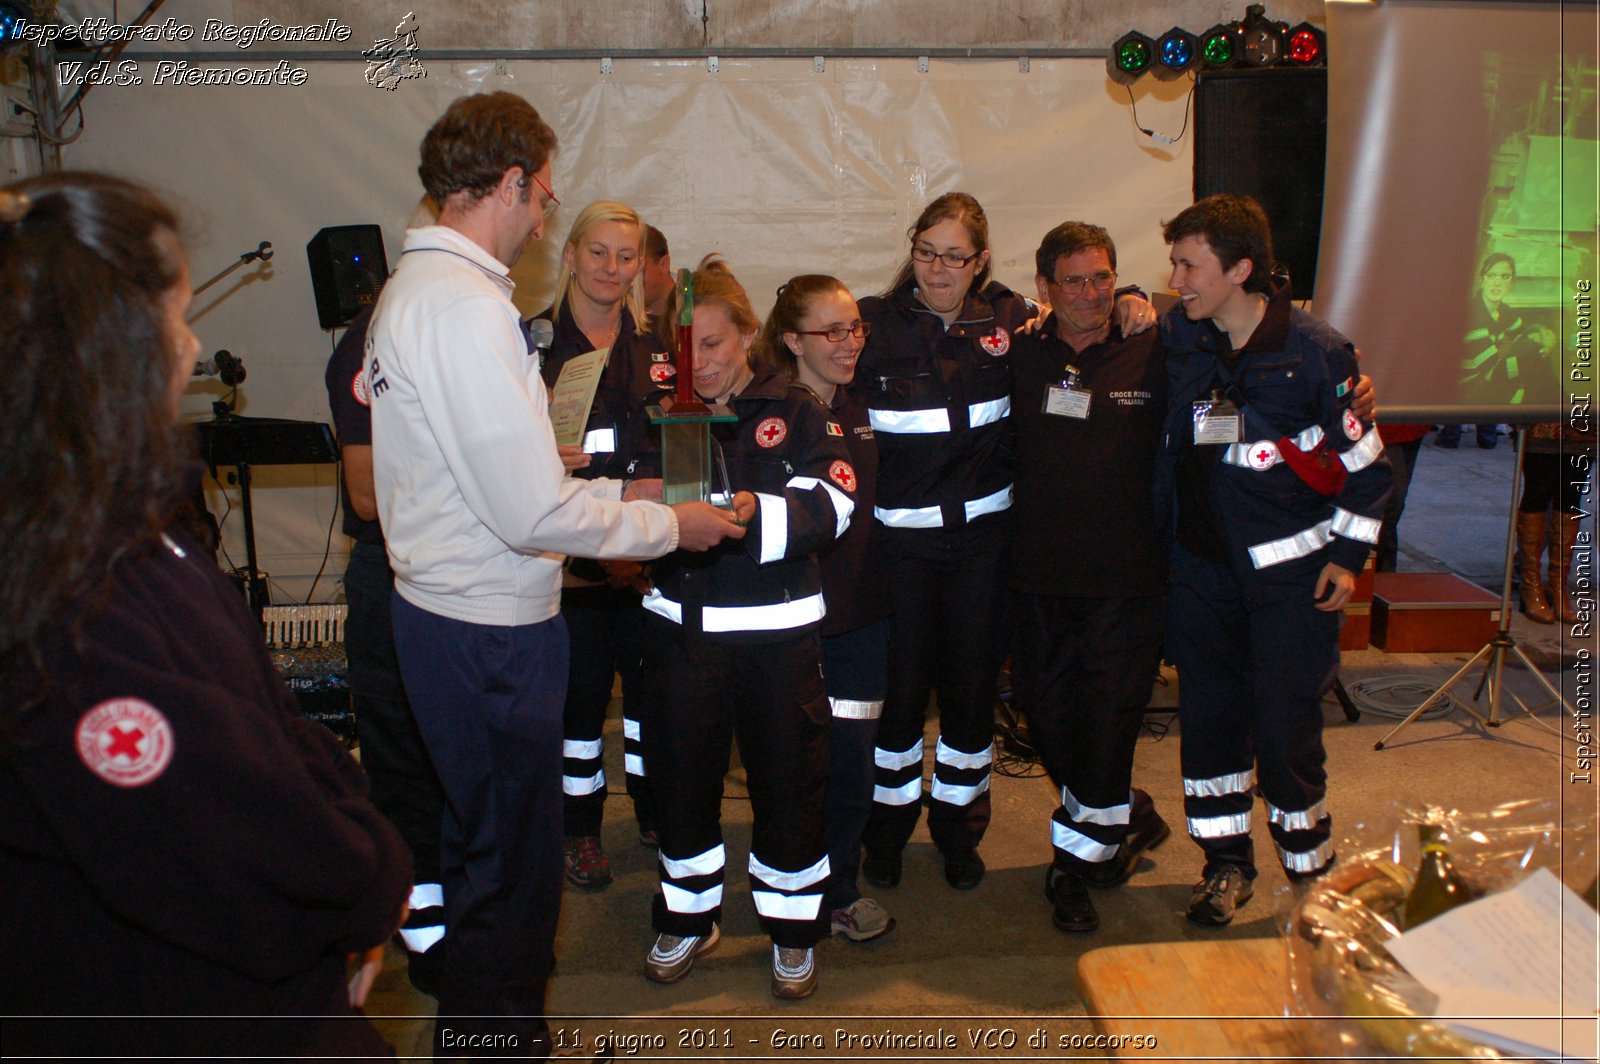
693	885
1088	833
899	775
424	926
959	812
1302	837
788	895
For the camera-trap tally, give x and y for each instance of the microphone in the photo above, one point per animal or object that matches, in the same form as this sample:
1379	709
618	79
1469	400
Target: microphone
224	364
541	334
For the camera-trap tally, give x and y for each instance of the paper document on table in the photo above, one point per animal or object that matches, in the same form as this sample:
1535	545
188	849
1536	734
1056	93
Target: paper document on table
574	395
1518	967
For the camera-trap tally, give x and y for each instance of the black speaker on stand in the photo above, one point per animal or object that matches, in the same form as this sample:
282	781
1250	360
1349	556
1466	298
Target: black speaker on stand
348	268
1264	133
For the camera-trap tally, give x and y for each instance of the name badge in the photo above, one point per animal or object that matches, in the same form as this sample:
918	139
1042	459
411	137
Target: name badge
1216	421
1066	402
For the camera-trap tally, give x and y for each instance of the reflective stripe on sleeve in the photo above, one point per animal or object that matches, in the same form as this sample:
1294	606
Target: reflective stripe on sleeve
1287	549
910	421
600	441
774	527
1363	454
843	505
1354	526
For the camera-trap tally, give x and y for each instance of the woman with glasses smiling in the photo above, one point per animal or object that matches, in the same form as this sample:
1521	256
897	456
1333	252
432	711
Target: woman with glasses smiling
936	379
815	335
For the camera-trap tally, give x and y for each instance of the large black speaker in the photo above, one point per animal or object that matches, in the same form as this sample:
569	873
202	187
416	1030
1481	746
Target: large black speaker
1264	133
348	269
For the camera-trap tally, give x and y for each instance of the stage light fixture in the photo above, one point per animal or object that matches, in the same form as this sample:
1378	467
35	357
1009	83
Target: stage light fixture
10	15
1131	58
1266	42
1221	46
1176	54
1308	46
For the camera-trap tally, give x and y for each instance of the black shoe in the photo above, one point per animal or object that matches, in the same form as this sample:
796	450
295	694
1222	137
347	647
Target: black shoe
1074	909
882	870
963	869
1145	833
1217	896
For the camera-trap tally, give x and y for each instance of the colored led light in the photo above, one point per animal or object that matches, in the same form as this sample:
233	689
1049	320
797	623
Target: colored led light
1177	52
1304	47
1133	56
1218	49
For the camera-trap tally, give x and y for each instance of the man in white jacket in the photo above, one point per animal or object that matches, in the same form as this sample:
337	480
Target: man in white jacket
477	514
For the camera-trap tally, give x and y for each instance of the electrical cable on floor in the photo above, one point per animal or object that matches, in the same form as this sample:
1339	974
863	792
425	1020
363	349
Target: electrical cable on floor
1396	697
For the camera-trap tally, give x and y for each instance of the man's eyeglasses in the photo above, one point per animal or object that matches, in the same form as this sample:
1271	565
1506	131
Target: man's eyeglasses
551	196
951	259
838	333
1073	283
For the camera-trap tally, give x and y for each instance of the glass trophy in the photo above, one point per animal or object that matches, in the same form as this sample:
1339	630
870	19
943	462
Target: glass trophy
692	469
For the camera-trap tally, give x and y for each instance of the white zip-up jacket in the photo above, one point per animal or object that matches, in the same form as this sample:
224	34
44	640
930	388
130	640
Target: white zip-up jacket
476	509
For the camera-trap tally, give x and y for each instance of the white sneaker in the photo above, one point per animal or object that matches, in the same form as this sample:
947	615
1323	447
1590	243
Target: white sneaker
672	956
861	921
794	972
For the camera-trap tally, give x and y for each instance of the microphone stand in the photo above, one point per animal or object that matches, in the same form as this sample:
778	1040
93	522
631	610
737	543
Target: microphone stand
262	252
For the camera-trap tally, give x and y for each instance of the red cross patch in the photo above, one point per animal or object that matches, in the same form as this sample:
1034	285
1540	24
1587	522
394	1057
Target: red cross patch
772	432
843	474
835	429
662	372
359	390
126	741
1352	425
997	343
1262	455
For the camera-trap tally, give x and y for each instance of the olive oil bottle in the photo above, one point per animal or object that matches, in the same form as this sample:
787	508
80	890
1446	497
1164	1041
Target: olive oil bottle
1439	887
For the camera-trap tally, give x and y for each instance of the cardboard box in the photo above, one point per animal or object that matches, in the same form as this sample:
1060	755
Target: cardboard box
1431	612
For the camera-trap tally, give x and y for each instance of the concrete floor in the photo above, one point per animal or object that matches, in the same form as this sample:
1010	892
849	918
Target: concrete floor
958	961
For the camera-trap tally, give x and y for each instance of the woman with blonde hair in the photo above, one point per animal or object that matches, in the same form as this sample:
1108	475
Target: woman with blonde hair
599	306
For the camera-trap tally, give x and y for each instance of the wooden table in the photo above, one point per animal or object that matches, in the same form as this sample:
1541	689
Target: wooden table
1221	999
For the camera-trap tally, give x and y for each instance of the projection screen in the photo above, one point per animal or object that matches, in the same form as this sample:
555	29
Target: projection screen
1458	241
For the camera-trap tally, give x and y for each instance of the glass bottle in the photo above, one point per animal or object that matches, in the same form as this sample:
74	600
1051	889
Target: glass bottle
1439	887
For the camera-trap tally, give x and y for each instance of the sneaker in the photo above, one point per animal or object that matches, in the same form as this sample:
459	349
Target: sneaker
1217	896
882	871
673	955
862	921
650	838
586	863
963	869
1074	909
794	972
1145	833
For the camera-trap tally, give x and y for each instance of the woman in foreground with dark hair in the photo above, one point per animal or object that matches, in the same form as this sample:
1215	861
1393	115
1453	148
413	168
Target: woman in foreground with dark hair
181	854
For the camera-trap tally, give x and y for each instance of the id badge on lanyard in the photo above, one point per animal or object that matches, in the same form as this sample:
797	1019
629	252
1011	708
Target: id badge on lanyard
1068	398
1217	420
